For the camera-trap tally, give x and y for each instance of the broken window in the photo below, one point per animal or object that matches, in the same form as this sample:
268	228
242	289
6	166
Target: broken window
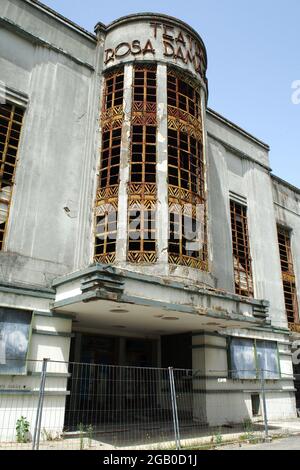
110	158
186	174
143	154
142	186
185	162
183	95
144	88
11	118
288	275
108	182
241	250
114	86
249	357
106	232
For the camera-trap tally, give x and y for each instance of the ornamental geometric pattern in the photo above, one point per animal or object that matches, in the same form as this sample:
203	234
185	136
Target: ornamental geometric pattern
142	107
112	118
142	189
142	257
188	261
107	194
144	120
184	196
181	115
189	210
146	204
294	327
186	126
108	258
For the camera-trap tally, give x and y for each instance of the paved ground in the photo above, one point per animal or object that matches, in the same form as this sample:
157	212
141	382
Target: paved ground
289	443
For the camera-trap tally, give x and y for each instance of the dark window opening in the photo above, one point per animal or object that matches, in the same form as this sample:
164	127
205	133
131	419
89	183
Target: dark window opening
241	250
288	275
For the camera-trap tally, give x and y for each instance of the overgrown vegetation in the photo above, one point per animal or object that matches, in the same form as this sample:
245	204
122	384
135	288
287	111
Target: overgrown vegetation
22	430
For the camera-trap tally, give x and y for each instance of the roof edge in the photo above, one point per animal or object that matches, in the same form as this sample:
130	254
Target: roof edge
237	128
150	15
285	183
62	19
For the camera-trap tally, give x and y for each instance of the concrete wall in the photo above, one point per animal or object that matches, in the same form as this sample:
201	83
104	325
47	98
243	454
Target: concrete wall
220	400
238	165
54	66
19	394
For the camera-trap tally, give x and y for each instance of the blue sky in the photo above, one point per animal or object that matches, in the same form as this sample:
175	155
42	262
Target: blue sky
253	58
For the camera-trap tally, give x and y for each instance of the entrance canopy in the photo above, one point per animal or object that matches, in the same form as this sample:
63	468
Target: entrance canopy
110	298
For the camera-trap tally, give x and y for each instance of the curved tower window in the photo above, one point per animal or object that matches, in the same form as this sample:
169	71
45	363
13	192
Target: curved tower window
186	173
142	185
108	183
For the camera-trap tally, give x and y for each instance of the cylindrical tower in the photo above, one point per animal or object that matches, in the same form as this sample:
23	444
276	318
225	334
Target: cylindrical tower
151	204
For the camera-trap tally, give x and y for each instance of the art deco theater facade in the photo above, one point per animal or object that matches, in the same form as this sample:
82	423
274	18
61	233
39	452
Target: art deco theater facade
138	226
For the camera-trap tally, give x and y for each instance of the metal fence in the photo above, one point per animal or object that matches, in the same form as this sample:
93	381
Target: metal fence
58	405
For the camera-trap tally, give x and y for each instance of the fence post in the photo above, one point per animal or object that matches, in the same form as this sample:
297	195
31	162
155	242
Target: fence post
39	411
263	392
174	408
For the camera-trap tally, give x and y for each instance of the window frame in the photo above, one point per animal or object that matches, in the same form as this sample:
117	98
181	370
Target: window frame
111	150
241	251
256	363
288	275
186	169
143	165
10	163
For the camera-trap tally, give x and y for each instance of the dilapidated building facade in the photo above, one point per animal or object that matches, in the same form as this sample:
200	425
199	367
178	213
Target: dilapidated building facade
137	226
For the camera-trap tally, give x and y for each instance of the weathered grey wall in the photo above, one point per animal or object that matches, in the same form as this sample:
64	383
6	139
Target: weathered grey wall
238	164
59	68
58	151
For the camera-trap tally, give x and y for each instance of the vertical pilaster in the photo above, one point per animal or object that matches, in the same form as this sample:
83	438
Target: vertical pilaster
162	213
199	385
206	163
122	219
84	244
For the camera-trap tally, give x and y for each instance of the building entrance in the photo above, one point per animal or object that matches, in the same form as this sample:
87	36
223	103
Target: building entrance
100	382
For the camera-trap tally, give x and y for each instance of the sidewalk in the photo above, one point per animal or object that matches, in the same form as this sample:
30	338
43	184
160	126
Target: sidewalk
288	443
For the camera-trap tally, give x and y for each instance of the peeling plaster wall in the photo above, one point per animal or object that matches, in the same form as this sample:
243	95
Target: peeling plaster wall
49	229
238	169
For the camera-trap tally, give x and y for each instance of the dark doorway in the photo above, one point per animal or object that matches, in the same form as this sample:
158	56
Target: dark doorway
140	353
176	351
102	392
296	368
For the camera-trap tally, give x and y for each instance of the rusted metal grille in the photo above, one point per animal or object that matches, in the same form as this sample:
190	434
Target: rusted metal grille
183	94
112	109
241	250
186	174
288	276
11	119
108	183
142	186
